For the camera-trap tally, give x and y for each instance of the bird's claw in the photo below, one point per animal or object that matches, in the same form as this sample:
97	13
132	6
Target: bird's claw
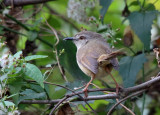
118	88
85	90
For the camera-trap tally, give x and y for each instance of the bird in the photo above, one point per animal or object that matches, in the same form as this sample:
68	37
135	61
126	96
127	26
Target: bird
94	56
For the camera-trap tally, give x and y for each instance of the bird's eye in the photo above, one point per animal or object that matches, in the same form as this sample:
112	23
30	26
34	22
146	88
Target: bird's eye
81	37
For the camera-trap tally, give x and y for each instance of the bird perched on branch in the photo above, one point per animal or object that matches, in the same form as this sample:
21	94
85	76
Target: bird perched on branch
94	56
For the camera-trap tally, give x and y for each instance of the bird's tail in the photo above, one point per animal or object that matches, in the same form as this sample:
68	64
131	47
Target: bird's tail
115	54
110	58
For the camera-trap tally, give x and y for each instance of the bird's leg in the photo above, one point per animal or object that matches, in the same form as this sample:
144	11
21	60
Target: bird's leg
86	88
117	85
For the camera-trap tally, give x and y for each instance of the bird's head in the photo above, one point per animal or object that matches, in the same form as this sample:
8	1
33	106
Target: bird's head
82	38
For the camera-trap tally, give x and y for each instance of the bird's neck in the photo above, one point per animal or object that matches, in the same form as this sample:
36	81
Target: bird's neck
80	45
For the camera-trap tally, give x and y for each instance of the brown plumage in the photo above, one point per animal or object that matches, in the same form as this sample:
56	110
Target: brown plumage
94	56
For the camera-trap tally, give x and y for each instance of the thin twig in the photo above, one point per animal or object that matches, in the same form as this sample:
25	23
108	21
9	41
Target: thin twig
12	4
132	95
68	97
56	106
23	2
143	103
73	94
126	108
56	52
36	11
78	92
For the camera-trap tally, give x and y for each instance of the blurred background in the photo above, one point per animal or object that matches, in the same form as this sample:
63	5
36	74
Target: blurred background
133	25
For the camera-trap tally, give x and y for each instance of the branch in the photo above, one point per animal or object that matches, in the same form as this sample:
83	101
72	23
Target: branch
98	97
23	2
123	93
144	85
126	108
56	106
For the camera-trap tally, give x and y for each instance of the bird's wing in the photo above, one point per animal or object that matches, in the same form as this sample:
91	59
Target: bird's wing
90	62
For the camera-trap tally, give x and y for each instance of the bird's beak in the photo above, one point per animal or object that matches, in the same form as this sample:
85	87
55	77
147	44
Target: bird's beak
69	38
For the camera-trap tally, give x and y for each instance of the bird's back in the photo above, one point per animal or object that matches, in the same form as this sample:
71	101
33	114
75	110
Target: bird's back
87	60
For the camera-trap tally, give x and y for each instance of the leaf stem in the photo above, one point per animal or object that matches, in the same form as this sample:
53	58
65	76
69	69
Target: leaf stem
143	3
18	22
11	30
143	104
131	50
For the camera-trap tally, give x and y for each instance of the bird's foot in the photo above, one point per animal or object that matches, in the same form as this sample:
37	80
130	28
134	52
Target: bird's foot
85	90
118	89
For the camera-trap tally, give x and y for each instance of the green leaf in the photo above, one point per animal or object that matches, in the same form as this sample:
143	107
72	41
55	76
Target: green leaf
30	94
32	35
112	102
68	60
36	88
15	85
17	55
134	3
6	103
37	22
150	7
3	77
141	23
129	67
33	72
29	58
105	5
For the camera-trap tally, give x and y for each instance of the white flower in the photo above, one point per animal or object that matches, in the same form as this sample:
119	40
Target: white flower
92	18
77	9
15	112
6	61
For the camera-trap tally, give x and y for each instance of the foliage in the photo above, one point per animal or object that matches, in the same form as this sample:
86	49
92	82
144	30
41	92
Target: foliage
16	73
129	68
142	29
34	61
105	5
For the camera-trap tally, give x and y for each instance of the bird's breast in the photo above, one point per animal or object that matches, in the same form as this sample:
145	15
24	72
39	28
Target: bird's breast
100	73
84	69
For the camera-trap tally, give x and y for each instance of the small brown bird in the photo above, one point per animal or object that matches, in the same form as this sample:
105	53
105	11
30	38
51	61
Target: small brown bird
94	56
